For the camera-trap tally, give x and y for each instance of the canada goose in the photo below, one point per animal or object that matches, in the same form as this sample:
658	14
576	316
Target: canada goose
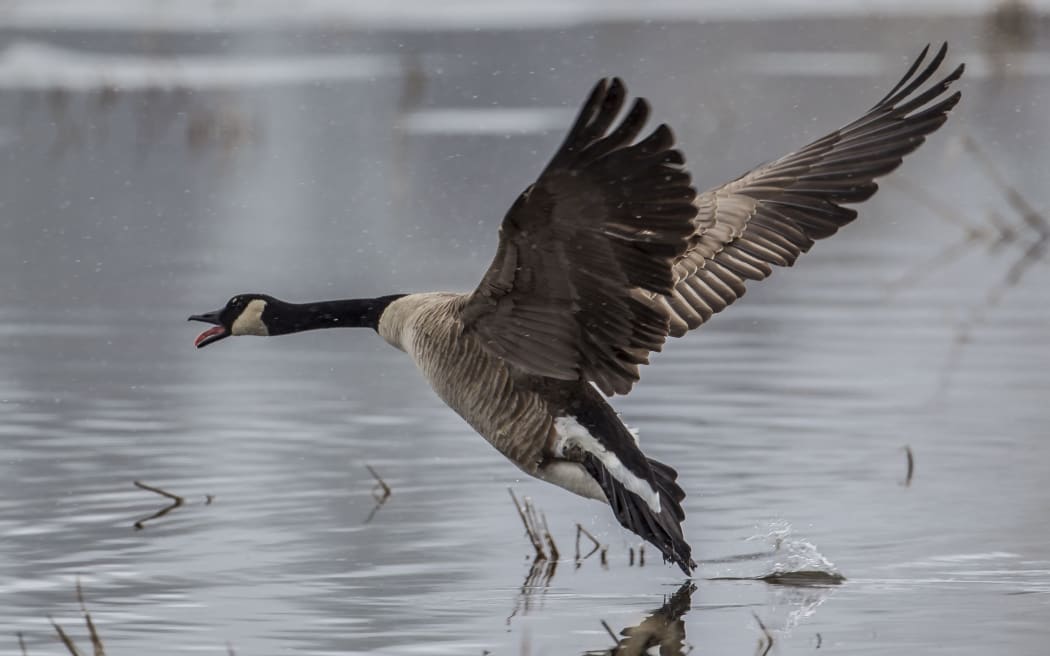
607	254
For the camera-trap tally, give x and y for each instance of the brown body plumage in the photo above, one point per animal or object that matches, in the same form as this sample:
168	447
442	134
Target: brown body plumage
507	406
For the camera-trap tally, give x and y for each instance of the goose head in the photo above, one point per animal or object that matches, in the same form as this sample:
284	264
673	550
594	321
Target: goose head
244	314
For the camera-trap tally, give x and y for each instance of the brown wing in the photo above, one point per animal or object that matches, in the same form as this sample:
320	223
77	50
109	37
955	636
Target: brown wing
774	213
585	249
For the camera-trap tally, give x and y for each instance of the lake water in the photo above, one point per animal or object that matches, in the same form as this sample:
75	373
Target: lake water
151	174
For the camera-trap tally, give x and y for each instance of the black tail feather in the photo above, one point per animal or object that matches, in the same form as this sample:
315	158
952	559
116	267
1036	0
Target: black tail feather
663	530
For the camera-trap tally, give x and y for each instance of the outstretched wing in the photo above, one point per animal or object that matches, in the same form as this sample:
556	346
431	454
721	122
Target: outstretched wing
774	213
585	249
608	253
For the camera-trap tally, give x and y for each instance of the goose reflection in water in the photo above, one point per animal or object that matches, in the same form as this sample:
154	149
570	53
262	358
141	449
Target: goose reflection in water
663	628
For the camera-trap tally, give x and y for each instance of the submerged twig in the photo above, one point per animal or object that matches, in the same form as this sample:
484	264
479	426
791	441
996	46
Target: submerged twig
372	513
767	641
22	644
380	492
911	465
176	501
798	579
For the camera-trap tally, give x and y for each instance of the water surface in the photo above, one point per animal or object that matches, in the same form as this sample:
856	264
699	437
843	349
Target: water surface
148	176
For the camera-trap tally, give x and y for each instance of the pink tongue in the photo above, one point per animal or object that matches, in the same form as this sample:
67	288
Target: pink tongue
211	332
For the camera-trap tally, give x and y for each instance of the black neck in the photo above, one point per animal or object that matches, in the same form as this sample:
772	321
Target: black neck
282	318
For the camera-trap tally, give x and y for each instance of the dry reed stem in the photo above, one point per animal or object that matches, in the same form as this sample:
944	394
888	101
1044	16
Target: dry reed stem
548	574
72	648
580	530
534	520
96	641
608	629
554	555
524	513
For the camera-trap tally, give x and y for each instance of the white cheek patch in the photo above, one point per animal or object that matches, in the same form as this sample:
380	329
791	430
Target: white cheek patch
572	433
250	320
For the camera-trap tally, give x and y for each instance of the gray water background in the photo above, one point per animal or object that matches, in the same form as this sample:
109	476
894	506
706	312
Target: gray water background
333	162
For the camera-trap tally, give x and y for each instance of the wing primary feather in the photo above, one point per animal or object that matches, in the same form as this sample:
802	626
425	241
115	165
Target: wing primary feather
921	78
607	110
887	99
590	107
629	128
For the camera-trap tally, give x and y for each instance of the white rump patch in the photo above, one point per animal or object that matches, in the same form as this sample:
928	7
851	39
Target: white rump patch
573	477
250	320
573	433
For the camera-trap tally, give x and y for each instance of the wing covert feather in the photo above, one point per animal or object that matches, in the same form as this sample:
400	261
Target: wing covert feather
611	250
565	296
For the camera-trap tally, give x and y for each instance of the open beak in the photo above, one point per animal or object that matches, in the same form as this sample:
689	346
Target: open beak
213	334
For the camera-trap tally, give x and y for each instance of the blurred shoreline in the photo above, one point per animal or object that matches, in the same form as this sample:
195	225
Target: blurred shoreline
421	15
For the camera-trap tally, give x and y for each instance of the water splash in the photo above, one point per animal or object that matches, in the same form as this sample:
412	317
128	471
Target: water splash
792	561
801	577
798	562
